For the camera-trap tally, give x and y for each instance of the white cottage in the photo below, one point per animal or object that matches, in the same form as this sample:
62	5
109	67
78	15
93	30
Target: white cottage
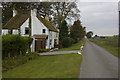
44	34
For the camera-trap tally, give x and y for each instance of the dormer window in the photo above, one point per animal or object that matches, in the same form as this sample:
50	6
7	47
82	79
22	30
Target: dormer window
10	31
26	30
44	31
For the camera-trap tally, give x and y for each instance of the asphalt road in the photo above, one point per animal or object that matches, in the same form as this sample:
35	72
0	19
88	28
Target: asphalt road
98	63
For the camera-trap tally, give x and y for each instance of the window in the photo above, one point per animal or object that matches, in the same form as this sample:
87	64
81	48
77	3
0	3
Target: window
43	30
50	41
10	31
55	41
26	30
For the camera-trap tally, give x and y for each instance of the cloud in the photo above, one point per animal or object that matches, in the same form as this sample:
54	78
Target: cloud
100	17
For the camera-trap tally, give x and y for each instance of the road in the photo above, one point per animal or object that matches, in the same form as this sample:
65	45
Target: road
98	63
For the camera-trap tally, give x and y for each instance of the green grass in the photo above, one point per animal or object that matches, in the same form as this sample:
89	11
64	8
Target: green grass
59	66
110	44
74	46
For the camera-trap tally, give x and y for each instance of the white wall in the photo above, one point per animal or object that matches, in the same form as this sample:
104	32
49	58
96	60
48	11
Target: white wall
15	31
51	38
23	26
48	41
4	31
36	25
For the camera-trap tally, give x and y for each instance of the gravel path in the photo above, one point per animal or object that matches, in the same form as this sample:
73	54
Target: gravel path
59	52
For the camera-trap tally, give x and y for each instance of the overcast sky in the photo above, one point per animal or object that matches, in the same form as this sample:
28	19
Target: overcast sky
100	17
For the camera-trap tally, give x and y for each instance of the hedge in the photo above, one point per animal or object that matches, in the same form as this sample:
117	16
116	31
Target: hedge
14	45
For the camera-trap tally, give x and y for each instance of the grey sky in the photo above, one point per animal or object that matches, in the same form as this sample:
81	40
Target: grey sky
100	17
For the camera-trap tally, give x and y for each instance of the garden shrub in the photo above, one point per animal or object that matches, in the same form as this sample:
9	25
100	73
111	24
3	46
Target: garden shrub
13	45
32	55
66	42
43	50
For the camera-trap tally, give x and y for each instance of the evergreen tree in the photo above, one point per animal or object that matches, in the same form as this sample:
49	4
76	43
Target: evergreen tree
77	32
64	11
63	30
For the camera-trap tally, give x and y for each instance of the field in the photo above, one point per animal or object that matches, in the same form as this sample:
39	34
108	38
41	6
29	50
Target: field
74	46
109	43
59	66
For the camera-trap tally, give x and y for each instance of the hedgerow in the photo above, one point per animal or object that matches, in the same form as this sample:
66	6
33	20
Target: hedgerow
14	45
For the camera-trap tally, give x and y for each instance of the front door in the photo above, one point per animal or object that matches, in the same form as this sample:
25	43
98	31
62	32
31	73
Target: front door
39	44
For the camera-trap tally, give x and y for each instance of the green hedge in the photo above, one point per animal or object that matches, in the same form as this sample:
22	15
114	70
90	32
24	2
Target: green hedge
9	63
14	45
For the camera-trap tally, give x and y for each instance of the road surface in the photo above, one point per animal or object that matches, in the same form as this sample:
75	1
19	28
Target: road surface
98	63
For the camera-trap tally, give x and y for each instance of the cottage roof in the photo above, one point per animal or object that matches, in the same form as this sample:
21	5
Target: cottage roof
16	21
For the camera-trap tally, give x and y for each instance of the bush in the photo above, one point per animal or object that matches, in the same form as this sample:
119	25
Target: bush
13	45
43	50
9	63
66	42
32	55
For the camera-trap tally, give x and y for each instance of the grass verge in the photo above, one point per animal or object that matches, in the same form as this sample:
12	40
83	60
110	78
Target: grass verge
74	46
10	63
59	66
110	44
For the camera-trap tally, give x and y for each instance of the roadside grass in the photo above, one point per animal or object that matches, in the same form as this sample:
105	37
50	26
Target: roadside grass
109	43
74	46
59	66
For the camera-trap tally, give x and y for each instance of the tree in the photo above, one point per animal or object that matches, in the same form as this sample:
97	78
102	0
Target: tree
64	11
89	34
63	30
77	32
45	8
